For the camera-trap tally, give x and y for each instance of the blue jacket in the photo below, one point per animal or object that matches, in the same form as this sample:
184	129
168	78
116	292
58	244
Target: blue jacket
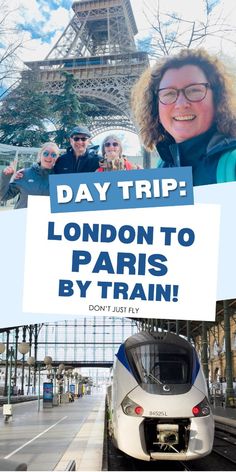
68	164
34	182
202	153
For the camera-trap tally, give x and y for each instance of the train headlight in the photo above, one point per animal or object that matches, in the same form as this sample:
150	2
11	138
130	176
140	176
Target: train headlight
131	408
202	409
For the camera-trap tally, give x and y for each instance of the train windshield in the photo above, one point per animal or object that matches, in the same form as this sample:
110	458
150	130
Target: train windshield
156	367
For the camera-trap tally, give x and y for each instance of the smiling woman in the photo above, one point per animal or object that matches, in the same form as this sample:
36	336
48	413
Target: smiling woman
112	155
32	181
185	107
185	102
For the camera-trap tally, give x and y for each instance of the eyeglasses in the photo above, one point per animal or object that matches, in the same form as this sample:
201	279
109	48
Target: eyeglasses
111	144
52	154
79	138
193	93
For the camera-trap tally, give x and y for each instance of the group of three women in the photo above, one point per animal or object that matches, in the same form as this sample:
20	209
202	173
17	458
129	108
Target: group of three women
185	107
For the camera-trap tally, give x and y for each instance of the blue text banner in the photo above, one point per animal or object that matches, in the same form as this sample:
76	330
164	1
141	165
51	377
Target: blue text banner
120	189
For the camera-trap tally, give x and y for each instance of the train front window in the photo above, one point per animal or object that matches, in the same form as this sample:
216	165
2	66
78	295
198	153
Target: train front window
155	366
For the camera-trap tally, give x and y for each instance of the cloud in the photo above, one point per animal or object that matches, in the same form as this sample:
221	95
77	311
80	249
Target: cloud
22	13
58	20
40	25
46	29
34	49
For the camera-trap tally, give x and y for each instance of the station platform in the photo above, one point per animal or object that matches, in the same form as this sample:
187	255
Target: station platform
66	437
225	415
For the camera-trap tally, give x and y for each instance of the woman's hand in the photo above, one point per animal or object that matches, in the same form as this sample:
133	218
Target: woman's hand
103	163
9	170
106	164
19	174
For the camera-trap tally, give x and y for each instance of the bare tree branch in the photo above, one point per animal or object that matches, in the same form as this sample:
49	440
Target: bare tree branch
170	31
11	44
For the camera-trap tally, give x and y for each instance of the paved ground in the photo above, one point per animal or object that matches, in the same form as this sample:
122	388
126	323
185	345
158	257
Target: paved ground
226	414
50	438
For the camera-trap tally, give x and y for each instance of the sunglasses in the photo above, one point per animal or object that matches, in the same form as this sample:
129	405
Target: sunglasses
77	138
111	144
52	154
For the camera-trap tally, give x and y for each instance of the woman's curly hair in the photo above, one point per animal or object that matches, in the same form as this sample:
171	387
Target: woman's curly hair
144	100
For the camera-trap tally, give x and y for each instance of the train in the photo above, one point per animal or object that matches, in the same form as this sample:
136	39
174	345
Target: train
157	399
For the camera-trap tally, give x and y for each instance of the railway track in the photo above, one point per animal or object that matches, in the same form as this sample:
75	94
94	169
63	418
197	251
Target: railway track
18	399
225	442
122	462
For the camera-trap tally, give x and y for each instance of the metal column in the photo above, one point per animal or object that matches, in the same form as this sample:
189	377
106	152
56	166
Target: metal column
204	354
229	394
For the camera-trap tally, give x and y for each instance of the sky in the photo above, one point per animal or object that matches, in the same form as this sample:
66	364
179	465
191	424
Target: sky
41	23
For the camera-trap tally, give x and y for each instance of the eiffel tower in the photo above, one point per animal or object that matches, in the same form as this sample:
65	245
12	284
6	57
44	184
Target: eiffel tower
98	47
